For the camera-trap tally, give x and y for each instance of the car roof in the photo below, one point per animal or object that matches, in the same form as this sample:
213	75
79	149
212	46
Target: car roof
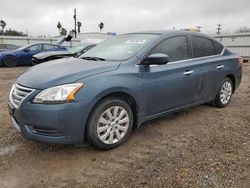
29	45
171	32
41	44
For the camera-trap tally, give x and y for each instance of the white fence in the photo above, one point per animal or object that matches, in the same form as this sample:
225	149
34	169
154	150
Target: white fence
22	41
238	43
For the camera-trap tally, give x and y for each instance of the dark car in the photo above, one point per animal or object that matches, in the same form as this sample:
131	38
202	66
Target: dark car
71	52
23	55
8	47
121	83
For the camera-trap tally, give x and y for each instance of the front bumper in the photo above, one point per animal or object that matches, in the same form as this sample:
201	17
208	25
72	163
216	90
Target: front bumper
61	123
36	61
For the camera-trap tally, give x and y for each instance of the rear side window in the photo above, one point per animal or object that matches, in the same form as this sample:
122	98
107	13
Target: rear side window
49	46
176	48
218	47
36	47
202	47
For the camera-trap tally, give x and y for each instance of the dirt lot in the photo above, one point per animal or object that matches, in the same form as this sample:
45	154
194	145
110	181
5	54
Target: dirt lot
200	147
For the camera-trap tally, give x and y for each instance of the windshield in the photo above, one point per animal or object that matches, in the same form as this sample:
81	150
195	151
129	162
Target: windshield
119	48
77	48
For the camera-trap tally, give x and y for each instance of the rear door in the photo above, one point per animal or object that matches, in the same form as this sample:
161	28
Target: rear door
171	86
208	53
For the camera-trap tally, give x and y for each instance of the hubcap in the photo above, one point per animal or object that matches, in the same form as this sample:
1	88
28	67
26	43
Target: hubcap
113	125
226	92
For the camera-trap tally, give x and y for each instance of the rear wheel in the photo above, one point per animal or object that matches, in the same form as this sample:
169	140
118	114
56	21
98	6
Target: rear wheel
10	61
110	124
224	95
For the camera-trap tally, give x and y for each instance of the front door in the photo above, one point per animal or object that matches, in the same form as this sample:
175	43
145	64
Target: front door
29	52
176	84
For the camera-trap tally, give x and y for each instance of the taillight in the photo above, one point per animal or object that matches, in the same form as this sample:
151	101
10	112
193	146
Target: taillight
241	62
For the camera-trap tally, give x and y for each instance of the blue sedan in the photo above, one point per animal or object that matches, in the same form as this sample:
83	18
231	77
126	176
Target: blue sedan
23	55
120	83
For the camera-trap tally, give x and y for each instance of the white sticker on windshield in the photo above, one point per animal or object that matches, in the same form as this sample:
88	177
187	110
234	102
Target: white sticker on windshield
136	41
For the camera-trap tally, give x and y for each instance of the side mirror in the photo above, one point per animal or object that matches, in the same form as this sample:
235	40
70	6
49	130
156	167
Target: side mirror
156	59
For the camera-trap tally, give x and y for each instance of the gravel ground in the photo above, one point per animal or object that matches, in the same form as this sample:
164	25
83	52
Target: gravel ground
199	147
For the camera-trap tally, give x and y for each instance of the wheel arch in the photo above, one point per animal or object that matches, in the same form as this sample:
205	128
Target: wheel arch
233	79
9	55
2	58
120	94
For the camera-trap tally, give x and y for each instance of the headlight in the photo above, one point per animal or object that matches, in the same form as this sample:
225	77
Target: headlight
58	94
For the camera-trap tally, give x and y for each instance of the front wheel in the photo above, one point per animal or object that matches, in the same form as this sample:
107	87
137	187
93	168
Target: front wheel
225	93
10	61
110	124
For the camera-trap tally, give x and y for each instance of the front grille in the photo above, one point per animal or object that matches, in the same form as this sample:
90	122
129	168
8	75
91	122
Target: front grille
18	94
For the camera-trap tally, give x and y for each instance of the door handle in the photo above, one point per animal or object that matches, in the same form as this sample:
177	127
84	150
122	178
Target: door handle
188	72
220	67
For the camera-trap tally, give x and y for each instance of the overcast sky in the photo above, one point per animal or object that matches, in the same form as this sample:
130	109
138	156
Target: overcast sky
40	17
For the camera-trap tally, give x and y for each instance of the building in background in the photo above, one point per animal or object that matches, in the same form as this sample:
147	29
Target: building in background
236	42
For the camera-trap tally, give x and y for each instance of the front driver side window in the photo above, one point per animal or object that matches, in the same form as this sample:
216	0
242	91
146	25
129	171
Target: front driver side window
36	47
176	48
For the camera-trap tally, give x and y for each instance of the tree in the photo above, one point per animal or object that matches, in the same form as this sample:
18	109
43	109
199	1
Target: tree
59	26
13	32
63	31
101	26
242	30
79	25
2	24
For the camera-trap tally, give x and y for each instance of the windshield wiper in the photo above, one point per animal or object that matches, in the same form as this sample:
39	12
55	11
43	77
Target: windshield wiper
93	58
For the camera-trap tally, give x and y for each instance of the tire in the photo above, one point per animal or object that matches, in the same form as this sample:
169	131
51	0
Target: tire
34	62
224	94
10	61
105	118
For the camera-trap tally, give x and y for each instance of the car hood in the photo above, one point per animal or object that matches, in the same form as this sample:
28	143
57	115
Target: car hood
51	53
63	71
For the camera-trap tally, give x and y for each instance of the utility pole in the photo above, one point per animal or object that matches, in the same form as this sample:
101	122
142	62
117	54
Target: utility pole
218	29
75	20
